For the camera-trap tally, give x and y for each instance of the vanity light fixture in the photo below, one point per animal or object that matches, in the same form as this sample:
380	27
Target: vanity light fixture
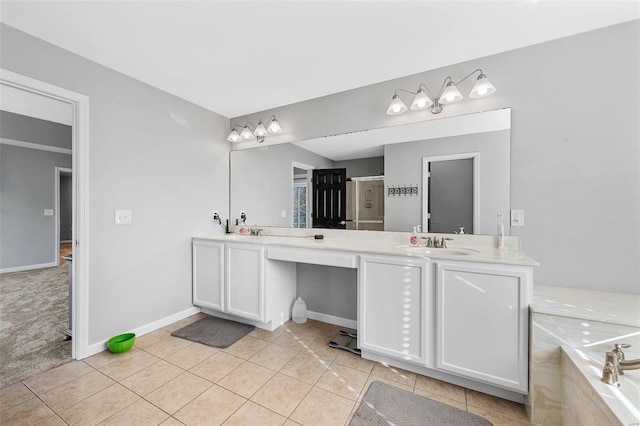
448	94
259	132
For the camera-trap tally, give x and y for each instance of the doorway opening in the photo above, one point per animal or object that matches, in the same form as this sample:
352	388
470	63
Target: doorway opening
79	105
63	213
301	195
450	195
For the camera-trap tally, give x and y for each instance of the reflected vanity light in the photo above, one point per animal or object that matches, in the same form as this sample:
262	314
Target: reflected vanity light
448	94
250	132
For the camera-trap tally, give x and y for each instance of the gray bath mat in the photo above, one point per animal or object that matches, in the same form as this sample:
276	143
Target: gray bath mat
384	404
216	332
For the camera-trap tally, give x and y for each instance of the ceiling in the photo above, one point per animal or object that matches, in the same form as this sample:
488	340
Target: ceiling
240	57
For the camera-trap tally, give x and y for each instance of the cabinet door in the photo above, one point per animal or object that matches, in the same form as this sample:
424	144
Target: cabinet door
208	274
245	281
395	299
482	322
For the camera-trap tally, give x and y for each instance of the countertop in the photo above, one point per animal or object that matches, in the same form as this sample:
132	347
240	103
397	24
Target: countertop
475	248
608	307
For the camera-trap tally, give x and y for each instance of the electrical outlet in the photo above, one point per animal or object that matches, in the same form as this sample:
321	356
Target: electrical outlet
517	217
122	217
48	212
283	213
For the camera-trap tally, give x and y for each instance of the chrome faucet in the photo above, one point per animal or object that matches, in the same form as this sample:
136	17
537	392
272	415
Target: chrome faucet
435	242
615	364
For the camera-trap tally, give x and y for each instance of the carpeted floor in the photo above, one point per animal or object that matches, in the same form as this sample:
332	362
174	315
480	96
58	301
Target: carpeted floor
33	318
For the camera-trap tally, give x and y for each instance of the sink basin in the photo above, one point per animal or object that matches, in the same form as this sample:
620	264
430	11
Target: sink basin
438	251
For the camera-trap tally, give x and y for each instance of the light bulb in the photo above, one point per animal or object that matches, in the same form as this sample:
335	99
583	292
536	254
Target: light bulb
234	136
451	94
246	133
483	87
421	101
260	130
274	127
396	106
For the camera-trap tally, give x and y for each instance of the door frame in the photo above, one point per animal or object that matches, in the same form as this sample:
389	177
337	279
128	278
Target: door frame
80	183
308	168
475	156
59	171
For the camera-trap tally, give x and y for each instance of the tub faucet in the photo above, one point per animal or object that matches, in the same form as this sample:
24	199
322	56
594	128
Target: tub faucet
615	364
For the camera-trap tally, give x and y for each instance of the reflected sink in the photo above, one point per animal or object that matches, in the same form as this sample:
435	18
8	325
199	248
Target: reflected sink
438	251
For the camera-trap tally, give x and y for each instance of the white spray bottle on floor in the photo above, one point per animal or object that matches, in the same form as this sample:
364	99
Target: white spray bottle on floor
299	311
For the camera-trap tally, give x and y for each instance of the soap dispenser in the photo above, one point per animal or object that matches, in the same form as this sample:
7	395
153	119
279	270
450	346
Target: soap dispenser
500	231
414	240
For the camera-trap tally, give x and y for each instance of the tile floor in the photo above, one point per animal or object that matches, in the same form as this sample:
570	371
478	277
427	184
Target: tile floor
286	377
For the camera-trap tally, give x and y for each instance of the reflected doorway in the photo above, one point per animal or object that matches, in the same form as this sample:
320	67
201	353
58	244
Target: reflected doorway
365	203
450	196
301	198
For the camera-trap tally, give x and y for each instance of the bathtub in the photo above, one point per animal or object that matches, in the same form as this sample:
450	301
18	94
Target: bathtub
571	331
588	401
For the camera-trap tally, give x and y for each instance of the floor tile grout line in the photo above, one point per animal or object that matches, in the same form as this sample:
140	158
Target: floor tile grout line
123	408
23	381
38	398
84	399
306	345
184	405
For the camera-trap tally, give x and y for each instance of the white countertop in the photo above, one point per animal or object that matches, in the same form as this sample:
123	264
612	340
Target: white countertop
616	308
480	247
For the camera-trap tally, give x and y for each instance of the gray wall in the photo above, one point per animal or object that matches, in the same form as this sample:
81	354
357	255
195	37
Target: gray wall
575	166
66	208
328	290
27	188
30	129
403	165
362	167
153	153
262	179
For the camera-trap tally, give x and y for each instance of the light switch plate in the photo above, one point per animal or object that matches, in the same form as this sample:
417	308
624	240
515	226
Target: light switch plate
517	217
122	217
283	213
48	212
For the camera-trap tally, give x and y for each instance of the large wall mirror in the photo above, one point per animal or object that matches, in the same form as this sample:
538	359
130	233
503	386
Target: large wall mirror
442	174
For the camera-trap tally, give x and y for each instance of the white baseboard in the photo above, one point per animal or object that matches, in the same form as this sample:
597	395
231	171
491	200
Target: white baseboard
27	267
65	242
147	328
330	319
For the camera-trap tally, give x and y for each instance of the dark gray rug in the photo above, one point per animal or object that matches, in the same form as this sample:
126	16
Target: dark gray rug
216	332
384	404
34	314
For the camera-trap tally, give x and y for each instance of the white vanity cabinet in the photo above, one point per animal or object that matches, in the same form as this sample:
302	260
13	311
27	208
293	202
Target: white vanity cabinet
208	274
237	281
395	308
244	284
482	313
